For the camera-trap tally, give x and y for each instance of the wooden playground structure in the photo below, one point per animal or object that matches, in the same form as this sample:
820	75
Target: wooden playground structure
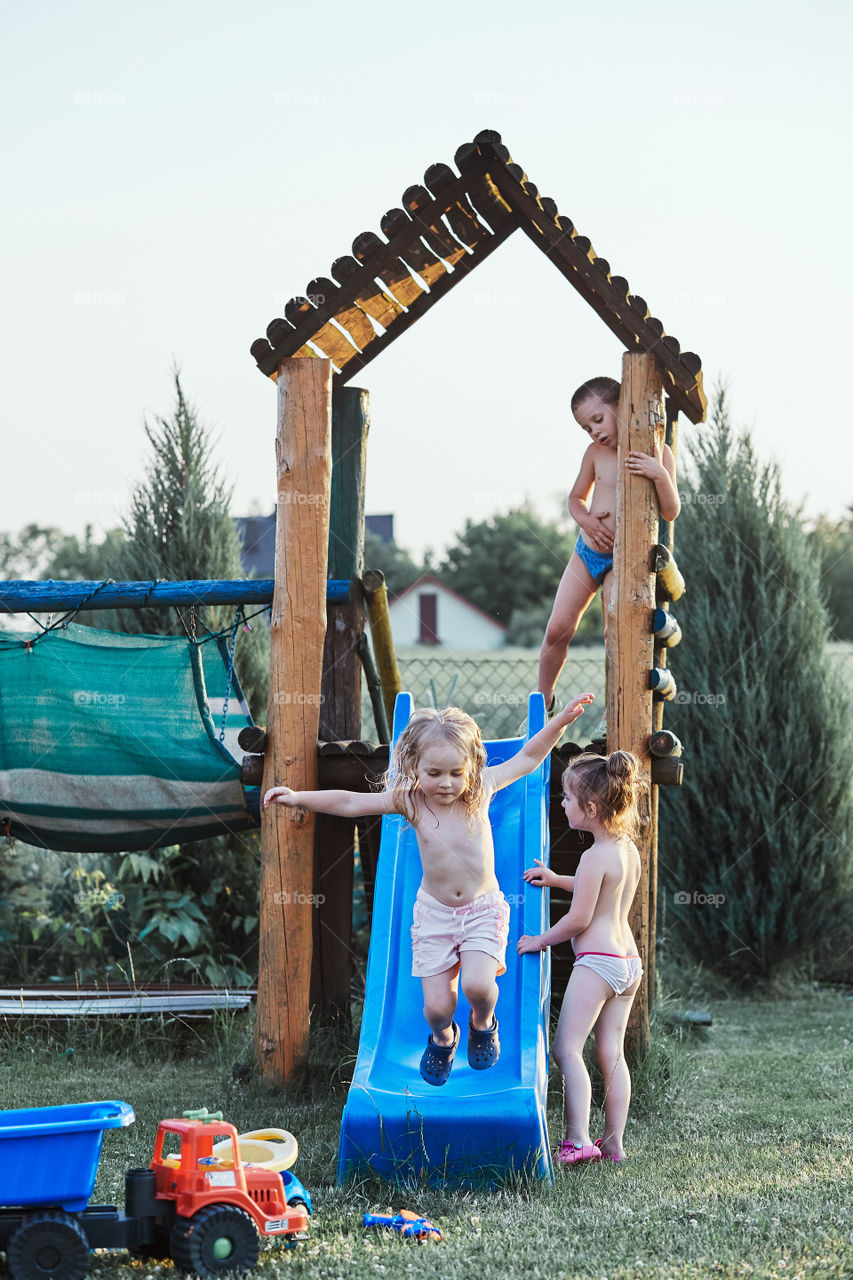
442	231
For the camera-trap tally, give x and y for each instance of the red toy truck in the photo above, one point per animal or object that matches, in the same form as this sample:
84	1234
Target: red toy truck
203	1211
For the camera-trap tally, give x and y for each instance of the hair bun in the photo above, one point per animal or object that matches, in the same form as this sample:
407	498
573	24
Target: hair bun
622	765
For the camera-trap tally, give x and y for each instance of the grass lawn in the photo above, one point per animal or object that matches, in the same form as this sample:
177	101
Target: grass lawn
740	1158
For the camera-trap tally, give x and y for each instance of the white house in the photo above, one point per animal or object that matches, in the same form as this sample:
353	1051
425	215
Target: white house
430	613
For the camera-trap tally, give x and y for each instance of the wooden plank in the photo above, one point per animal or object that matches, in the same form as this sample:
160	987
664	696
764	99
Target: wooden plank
398	279
414	252
461	218
422	208
351	318
304	466
373	300
630	642
332	342
482	192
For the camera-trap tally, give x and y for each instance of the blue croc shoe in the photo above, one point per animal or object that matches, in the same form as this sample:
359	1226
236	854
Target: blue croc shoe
437	1059
484	1047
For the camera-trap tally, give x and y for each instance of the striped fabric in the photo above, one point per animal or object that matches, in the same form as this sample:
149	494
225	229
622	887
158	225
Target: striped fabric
107	742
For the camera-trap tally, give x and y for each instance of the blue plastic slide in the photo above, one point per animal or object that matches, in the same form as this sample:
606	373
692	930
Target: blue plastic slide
481	1126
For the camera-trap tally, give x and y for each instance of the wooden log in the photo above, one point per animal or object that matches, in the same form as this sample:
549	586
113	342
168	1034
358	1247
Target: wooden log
376	594
372	300
398	279
665	534
666	629
630	643
670	584
340	713
330	340
663	742
252	771
666	772
304	465
253	737
350	317
414	252
374	688
421	207
461	218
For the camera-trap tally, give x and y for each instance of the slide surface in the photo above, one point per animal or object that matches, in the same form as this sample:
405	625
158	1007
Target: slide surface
482	1126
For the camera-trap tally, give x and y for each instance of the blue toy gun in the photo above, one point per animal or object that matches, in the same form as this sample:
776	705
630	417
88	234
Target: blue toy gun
406	1222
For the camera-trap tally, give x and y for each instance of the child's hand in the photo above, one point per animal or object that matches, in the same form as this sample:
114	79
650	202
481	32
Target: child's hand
280	795
643	464
540	875
596	532
573	709
527	944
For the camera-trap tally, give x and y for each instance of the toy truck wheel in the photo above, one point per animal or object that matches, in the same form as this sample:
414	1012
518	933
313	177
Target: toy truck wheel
216	1239
48	1246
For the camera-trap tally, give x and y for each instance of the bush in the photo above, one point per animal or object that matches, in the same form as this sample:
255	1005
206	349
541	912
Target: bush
764	816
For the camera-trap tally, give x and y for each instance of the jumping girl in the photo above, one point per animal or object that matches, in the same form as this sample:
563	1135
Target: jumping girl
438	780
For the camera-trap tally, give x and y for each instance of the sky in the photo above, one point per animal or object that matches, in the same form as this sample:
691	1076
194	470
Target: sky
174	172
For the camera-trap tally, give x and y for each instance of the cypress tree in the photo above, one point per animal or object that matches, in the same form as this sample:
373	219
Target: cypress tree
755	847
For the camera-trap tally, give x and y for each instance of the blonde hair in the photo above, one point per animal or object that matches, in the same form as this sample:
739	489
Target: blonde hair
426	726
613	783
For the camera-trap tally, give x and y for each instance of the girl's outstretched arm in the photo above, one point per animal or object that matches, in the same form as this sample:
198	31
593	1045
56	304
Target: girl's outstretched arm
588	878
539	746
342	804
543	877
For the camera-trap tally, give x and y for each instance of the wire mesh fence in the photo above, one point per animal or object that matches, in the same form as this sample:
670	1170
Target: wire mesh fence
493	687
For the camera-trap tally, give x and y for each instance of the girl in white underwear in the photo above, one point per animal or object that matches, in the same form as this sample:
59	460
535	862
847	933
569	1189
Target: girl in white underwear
600	795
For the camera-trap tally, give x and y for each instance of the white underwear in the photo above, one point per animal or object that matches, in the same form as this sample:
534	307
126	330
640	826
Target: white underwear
620	972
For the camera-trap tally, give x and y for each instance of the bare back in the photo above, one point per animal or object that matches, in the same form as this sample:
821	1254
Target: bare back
607	878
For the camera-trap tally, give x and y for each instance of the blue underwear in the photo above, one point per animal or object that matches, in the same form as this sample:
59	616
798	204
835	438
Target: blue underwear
598	564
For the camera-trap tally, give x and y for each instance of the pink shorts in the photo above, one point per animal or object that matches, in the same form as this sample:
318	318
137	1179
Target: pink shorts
440	934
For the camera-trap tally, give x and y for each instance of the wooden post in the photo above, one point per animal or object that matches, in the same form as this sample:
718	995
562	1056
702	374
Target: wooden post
304	464
660	660
630	641
376	593
340	714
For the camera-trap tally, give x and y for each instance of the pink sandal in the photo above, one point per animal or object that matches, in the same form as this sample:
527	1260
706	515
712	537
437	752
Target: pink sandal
568	1153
